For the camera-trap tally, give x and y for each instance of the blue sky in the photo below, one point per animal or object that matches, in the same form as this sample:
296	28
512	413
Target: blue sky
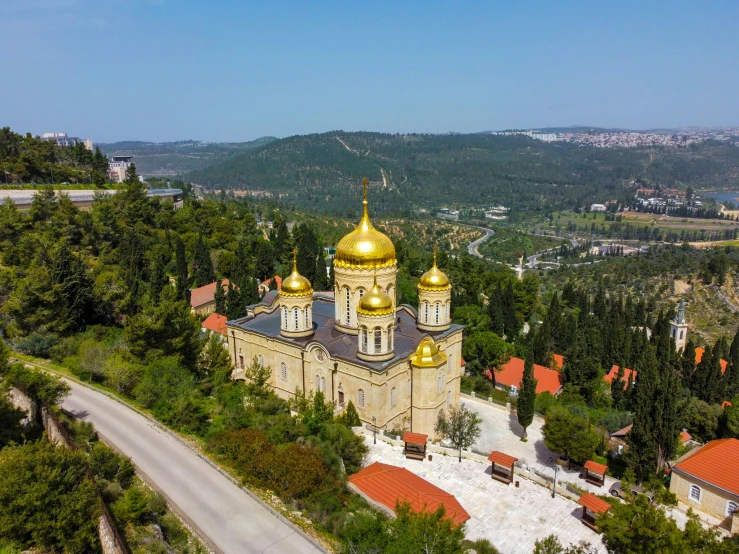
233	71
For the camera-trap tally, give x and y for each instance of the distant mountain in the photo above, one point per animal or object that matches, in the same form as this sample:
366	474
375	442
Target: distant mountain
322	171
170	159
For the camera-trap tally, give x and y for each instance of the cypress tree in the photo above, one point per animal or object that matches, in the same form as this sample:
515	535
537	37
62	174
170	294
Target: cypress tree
158	277
731	377
495	311
233	302
527	395
220	298
183	285
618	386
643	449
510	319
202	266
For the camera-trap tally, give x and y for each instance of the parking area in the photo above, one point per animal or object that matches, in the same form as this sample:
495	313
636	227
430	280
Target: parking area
512	518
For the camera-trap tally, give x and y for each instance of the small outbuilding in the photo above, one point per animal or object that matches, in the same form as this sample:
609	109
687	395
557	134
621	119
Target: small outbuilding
595	473
415	445
502	468
592	507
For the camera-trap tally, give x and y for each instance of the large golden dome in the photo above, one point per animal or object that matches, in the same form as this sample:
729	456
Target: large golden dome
428	354
365	247
434	278
296	284
375	302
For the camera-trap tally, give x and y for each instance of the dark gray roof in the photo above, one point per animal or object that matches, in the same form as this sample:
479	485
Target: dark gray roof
338	344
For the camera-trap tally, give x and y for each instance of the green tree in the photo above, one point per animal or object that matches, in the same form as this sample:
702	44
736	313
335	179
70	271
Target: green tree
526	395
566	433
460	426
202	265
484	350
349	417
265	262
220	298
46	498
424	532
183	282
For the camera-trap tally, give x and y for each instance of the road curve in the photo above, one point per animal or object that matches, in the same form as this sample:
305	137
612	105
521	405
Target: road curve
232	520
472	247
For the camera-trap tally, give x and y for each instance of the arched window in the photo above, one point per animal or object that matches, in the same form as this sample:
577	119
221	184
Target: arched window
284	317
731	507
448	311
393	397
378	341
438	384
307	318
323	385
261	360
348	309
360	398
437	312
442	383
390	338
448	399
681	334
695	493
361	293
363	333
283	371
426	312
318	383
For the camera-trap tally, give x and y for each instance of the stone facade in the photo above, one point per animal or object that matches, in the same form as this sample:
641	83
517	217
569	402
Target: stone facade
711	500
434	309
349	286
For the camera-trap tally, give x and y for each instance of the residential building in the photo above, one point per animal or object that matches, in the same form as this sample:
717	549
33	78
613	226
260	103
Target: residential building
62	139
627	376
203	300
707	479
510	375
117	166
598	208
265	285
399	365
216	324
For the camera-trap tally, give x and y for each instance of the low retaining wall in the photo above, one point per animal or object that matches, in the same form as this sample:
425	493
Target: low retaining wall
25	403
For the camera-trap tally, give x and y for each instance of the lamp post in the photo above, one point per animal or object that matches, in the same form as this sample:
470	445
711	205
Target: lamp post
374	429
461	441
554	485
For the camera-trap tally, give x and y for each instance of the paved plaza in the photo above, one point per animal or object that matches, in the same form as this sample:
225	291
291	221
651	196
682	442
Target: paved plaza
500	431
511	518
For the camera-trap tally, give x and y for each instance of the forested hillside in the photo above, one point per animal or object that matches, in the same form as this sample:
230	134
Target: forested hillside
411	171
175	158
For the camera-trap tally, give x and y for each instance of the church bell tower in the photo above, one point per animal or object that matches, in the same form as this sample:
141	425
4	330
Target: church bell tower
679	328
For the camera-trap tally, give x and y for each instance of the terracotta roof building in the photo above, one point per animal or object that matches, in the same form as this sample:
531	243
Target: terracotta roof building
708	479
264	285
511	375
699	356
202	299
384	486
608	378
215	323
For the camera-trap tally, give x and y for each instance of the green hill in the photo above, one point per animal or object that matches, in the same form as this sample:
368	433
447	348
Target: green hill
412	171
168	159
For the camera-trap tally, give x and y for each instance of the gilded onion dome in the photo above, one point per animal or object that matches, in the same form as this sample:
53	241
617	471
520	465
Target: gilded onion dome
365	247
375	302
296	284
428	354
434	278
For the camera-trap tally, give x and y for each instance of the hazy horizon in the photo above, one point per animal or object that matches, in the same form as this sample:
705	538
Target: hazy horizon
157	71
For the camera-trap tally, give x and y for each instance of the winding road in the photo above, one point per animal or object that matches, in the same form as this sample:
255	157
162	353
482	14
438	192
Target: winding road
472	247
219	510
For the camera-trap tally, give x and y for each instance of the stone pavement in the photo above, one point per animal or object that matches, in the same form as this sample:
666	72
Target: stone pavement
500	431
511	518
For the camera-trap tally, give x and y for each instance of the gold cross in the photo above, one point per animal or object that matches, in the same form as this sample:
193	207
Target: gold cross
434	254
365	182
295	258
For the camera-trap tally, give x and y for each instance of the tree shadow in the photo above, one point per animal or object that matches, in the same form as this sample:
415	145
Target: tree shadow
543	455
514	425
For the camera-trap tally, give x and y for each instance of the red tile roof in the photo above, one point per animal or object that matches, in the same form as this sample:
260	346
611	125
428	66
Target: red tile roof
685	437
205	294
415	438
595	467
502	459
277	278
593	503
699	356
725	404
559	361
216	323
627	375
622	432
389	485
715	463
511	375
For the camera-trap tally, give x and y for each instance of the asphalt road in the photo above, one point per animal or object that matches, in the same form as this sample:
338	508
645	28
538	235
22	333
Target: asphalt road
472	247
233	521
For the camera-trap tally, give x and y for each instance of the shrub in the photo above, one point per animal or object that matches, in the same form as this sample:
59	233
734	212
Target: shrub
37	344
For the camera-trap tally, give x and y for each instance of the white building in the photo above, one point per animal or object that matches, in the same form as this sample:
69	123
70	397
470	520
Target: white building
62	139
117	166
597	208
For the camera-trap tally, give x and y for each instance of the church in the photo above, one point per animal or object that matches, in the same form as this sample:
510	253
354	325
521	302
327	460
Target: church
400	365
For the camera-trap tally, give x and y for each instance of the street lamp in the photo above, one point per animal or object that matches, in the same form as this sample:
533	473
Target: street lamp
554	485
374	430
461	441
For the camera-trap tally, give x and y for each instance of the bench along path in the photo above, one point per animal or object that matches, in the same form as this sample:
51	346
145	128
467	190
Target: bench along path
221	511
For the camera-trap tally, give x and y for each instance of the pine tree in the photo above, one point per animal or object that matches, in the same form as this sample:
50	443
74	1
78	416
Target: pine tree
220	298
233	303
183	284
617	386
495	311
527	395
510	318
158	277
265	264
643	449
202	266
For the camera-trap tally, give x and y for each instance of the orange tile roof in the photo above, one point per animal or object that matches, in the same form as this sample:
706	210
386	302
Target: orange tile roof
277	278
699	356
205	294
389	485
502	459
595	467
415	438
725	404
593	503
622	432
685	437
614	371
216	323
559	361
511	375
716	464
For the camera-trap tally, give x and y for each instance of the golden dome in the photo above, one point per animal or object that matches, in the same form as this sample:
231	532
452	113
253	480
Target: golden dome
296	284
434	278
375	302
428	354
365	247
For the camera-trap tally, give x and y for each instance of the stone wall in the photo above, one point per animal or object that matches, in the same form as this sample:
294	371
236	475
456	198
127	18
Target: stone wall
25	403
110	541
54	429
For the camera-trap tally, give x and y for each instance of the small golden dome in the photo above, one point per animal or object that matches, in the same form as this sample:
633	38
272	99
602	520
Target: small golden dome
375	302
434	278
296	284
428	354
365	247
